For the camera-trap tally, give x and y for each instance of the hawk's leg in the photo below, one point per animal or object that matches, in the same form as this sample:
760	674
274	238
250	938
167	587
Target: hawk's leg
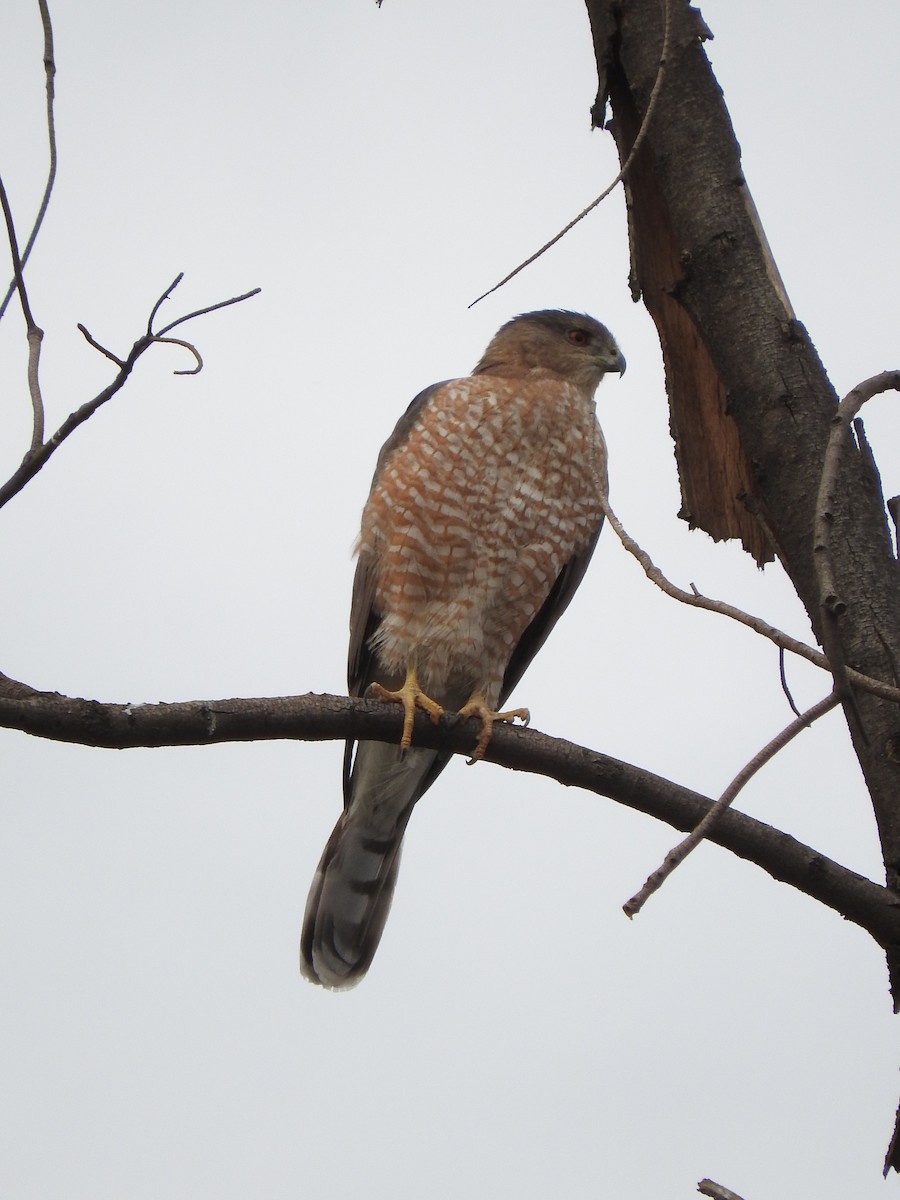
411	697
476	707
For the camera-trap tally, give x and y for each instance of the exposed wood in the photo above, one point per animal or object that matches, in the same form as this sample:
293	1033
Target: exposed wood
707	277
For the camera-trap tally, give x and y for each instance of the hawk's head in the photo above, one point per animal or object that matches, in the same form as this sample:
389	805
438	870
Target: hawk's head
571	345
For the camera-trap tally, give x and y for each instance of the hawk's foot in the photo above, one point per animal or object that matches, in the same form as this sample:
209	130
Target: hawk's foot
411	697
476	707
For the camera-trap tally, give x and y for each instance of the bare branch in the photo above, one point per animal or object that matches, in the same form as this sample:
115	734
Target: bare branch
677	855
35	459
187	346
763	628
848	408
35	338
716	1191
33	333
319	718
201	312
161	301
784	683
831	604
37	456
645	124
103	350
49	73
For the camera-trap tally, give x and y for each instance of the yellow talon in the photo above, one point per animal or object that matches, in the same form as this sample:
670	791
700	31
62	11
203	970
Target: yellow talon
476	707
411	697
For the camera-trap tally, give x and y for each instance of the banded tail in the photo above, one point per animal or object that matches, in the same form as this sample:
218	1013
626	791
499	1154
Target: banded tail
351	893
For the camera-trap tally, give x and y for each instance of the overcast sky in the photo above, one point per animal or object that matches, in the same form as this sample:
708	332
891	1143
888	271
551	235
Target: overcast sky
374	171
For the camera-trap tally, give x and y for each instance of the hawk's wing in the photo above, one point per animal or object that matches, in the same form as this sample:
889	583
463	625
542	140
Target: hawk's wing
364	617
549	613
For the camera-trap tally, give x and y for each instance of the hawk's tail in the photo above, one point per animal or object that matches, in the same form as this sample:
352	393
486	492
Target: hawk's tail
351	893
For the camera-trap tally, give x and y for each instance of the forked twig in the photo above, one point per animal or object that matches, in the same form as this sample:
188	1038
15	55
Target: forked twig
781	639
680	852
201	312
38	455
159	335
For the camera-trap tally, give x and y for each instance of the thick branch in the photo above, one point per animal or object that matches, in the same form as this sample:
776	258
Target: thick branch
751	404
828	506
716	1191
322	718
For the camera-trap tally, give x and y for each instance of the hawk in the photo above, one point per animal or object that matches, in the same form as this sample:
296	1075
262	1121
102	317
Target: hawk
483	513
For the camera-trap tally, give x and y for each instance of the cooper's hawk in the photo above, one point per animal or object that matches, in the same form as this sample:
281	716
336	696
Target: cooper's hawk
483	514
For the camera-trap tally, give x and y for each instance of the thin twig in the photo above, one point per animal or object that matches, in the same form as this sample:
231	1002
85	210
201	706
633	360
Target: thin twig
19	282
201	312
37	457
35	338
677	855
636	145
188	346
784	683
876	686
91	341
49	74
161	301
33	333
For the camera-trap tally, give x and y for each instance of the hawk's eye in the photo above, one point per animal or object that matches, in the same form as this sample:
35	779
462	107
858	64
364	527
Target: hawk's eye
577	337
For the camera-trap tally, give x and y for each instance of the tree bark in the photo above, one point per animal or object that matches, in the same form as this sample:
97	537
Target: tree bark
321	717
751	405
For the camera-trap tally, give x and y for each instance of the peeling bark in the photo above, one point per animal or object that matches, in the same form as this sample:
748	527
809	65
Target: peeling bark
751	404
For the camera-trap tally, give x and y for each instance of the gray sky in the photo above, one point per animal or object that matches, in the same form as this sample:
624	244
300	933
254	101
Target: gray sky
374	171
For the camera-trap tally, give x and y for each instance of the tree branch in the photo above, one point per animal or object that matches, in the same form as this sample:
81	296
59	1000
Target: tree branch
623	171
323	718
827	498
37	456
716	1191
696	599
704	830
831	603
33	333
751	405
49	75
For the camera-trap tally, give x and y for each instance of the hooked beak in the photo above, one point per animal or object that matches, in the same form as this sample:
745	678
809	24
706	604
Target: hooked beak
613	362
